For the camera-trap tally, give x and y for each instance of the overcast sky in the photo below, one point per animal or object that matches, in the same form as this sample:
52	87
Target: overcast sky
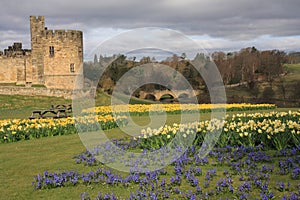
215	24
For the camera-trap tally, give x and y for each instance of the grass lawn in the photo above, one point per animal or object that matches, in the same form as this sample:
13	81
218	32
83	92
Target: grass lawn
21	161
293	73
292	68
21	106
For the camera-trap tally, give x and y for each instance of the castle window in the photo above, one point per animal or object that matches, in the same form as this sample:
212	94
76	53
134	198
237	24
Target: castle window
72	67
51	51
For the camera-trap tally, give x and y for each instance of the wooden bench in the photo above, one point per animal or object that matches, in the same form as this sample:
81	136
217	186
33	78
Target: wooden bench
33	114
68	107
58	111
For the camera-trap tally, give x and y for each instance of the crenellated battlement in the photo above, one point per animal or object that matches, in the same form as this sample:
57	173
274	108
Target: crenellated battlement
59	34
39	31
15	50
37	18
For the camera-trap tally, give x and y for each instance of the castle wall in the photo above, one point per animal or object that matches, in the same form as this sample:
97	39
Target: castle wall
62	55
12	70
29	71
61	68
55	59
63	81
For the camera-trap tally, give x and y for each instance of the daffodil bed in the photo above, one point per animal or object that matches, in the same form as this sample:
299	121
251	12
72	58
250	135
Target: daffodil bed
13	130
144	109
275	130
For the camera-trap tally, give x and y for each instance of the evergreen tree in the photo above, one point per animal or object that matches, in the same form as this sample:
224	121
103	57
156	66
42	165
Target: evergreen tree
95	59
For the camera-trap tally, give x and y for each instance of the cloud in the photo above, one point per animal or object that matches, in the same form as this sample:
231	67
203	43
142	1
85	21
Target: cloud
140	39
9	37
229	22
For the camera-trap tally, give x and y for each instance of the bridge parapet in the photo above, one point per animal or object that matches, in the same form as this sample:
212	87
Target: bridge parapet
176	94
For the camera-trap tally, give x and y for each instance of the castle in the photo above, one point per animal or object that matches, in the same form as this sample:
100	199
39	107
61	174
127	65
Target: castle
55	59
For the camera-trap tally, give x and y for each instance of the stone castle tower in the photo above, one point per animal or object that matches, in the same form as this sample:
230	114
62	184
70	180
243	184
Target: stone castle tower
55	59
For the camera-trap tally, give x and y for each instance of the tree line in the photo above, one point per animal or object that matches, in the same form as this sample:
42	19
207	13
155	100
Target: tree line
248	65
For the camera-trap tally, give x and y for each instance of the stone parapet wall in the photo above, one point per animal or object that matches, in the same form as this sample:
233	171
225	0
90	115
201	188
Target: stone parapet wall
31	91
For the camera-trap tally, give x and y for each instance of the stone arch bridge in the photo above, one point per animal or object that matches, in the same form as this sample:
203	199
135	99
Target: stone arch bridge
156	95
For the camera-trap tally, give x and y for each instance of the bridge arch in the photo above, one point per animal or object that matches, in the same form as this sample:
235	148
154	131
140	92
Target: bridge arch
166	96
159	94
150	97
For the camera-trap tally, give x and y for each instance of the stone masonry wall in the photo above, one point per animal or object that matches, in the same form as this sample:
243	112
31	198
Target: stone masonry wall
55	60
12	70
30	91
59	52
37	24
61	69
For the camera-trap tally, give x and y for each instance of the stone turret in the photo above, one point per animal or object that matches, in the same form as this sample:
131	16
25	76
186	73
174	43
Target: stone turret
37	25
